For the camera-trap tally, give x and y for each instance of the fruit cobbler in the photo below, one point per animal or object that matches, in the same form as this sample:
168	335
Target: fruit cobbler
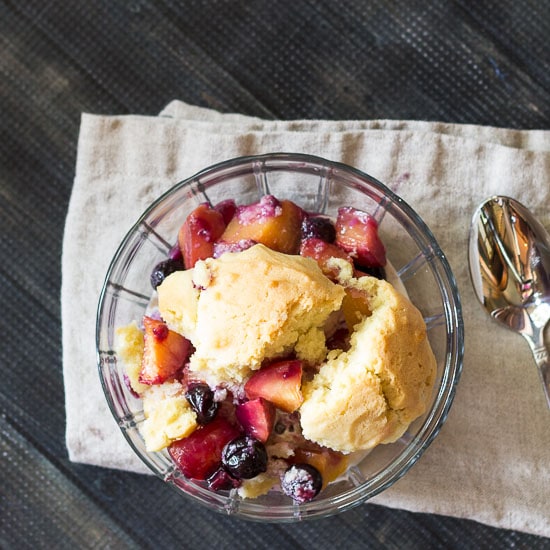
275	352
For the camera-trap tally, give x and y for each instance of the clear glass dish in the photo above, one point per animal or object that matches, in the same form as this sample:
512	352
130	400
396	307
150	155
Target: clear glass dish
316	185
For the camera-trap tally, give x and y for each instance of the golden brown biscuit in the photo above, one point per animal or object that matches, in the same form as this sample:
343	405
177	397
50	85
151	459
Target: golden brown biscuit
248	306
168	415
372	392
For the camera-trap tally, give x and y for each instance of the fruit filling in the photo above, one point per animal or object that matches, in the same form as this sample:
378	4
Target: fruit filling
274	355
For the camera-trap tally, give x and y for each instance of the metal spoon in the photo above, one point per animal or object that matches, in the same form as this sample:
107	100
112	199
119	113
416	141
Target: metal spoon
509	256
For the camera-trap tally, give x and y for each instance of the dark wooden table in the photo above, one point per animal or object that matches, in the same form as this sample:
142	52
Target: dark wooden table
457	61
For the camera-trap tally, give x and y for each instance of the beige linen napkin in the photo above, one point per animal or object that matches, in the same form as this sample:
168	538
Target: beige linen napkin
491	460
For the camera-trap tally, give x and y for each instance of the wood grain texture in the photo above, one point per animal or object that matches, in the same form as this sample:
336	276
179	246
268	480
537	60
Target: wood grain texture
462	61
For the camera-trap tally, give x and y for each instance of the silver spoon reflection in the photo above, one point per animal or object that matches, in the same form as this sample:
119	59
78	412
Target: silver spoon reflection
509	258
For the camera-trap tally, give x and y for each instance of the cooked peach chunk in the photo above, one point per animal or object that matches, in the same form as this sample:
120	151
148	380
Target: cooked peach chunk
280	383
357	234
196	237
355	306
164	352
257	418
322	251
273	223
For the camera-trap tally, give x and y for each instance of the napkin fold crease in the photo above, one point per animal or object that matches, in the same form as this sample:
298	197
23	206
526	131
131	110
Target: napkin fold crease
491	460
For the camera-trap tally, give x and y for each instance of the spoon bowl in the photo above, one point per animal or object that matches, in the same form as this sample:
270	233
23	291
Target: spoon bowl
509	255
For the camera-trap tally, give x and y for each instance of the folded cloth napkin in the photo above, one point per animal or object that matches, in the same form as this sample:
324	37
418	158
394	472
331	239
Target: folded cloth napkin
491	460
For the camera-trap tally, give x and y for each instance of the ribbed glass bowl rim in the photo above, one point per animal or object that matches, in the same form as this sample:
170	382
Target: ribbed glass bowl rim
441	270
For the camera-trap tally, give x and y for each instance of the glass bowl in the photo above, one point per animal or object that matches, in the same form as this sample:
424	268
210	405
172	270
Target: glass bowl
317	185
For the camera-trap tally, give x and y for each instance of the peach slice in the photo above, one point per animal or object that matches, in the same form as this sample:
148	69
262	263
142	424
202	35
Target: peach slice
201	229
357	234
164	352
280	383
355	306
257	418
273	223
322	251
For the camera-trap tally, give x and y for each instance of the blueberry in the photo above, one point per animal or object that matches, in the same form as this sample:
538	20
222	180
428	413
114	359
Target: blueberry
244	457
301	482
163	269
318	227
201	399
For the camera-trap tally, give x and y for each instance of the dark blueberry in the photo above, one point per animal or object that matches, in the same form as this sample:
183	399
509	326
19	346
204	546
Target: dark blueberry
201	398
244	457
301	482
318	227
222	480
163	269
378	272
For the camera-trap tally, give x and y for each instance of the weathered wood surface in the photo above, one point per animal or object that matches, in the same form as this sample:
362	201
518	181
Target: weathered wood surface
457	61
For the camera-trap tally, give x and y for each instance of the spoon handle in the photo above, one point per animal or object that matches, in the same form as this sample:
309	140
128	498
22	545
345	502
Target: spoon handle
542	359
